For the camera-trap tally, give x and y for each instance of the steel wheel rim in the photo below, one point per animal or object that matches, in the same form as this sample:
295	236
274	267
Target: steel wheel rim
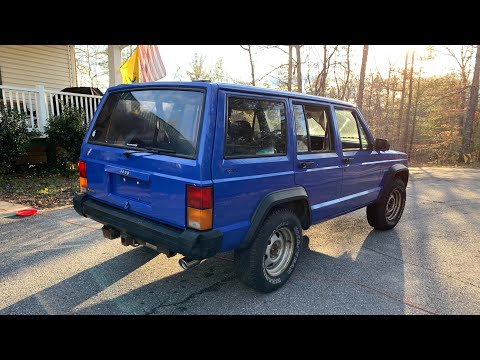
279	251
394	204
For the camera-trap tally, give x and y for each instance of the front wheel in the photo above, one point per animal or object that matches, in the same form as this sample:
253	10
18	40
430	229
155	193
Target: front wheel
268	263
386	213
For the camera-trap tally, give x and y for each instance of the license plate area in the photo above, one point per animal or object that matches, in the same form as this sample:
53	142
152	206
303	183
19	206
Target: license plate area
130	188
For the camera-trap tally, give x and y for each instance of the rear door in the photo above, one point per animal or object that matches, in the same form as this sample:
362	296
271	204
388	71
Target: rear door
317	165
361	171
252	157
144	148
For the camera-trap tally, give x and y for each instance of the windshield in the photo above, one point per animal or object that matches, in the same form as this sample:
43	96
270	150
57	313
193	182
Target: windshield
163	120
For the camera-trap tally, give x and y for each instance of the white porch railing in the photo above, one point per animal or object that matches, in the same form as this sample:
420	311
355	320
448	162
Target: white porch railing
39	103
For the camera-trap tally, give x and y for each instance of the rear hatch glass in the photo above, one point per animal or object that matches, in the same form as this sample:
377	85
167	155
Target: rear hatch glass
158	120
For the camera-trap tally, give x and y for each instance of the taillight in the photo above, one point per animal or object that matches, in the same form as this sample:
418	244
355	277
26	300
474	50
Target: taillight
82	173
199	197
82	169
199	207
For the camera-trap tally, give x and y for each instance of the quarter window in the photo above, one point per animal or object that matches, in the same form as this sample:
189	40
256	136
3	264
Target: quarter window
313	127
255	128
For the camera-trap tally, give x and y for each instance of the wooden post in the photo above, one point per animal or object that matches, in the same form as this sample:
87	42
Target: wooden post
114	63
42	113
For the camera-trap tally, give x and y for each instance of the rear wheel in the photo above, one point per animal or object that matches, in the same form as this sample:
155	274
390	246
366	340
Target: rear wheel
268	263
386	213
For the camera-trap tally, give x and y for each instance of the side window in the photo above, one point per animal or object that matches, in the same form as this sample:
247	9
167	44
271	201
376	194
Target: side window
255	128
301	128
313	126
363	136
351	131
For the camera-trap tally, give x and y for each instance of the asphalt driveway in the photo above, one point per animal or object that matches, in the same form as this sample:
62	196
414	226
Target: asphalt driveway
57	262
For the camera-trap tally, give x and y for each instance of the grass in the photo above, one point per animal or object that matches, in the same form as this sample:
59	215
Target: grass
40	191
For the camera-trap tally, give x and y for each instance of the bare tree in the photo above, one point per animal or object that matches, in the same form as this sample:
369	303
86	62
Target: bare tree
409	105
343	86
385	119
248	48
472	107
290	67
92	64
362	77
463	58
320	82
402	102
414	121
299	68
198	70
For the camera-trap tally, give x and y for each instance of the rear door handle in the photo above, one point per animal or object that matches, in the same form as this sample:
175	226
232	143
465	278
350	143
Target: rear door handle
306	164
347	161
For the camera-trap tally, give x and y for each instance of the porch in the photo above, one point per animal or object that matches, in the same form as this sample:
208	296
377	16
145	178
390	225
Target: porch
40	103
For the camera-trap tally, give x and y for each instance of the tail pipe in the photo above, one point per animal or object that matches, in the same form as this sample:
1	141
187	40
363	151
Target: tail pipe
187	263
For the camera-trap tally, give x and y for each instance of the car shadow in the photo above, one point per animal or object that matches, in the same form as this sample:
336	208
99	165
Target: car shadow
65	296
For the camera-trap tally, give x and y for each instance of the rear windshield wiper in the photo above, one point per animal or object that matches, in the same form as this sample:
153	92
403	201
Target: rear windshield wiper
148	150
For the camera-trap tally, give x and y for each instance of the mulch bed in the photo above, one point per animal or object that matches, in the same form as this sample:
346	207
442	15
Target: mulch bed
38	191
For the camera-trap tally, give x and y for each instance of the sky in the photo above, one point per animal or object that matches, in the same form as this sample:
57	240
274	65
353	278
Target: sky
236	62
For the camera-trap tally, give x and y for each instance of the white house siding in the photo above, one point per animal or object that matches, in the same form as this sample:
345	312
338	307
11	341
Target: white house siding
30	65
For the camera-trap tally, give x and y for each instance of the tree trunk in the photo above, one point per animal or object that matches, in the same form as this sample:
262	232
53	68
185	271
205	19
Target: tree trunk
402	102
472	107
347	76
252	65
385	119
362	78
290	67
414	121
394	93
409	106
299	69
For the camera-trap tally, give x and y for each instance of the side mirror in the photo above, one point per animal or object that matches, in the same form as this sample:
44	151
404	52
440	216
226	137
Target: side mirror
381	145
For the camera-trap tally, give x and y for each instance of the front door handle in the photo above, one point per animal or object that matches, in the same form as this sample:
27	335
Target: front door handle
347	161
306	164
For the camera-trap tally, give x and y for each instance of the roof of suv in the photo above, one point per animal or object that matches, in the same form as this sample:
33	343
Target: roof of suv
235	87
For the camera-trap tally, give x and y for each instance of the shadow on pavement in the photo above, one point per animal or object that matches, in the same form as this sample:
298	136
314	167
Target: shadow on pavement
366	283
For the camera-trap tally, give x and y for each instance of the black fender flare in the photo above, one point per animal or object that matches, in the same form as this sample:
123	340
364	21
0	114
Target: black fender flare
391	173
270	200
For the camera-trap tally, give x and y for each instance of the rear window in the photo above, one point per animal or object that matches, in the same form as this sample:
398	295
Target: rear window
163	120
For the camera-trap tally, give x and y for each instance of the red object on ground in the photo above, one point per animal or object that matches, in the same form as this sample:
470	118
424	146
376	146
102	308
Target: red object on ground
27	212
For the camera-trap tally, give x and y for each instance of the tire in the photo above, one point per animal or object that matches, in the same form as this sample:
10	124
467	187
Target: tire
280	237
385	214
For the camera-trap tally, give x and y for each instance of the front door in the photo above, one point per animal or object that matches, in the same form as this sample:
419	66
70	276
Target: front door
317	165
361	171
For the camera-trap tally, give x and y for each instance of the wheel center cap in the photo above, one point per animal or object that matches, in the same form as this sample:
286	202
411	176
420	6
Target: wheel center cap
275	249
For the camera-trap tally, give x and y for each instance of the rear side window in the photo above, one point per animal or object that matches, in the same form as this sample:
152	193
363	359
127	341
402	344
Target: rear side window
164	120
314	128
351	131
255	128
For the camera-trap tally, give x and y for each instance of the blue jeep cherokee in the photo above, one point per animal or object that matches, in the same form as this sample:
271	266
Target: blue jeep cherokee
200	168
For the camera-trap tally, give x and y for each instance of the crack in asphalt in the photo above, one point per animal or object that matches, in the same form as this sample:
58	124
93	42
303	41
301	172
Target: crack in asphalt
214	287
423	267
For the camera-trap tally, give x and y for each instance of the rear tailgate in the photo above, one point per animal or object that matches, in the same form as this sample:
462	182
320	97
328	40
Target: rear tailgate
124	182
145	147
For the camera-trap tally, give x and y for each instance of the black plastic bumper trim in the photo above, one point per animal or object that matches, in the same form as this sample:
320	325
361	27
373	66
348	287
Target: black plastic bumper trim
191	243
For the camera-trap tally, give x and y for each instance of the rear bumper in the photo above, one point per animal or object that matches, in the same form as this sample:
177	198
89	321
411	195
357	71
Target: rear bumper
191	243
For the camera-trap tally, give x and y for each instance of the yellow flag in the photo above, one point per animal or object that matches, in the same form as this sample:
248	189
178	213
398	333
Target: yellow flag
129	69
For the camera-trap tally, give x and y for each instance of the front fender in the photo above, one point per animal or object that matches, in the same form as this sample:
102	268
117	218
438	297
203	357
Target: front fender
390	175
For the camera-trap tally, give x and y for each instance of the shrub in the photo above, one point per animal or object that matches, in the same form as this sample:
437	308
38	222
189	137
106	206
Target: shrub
14	137
67	131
